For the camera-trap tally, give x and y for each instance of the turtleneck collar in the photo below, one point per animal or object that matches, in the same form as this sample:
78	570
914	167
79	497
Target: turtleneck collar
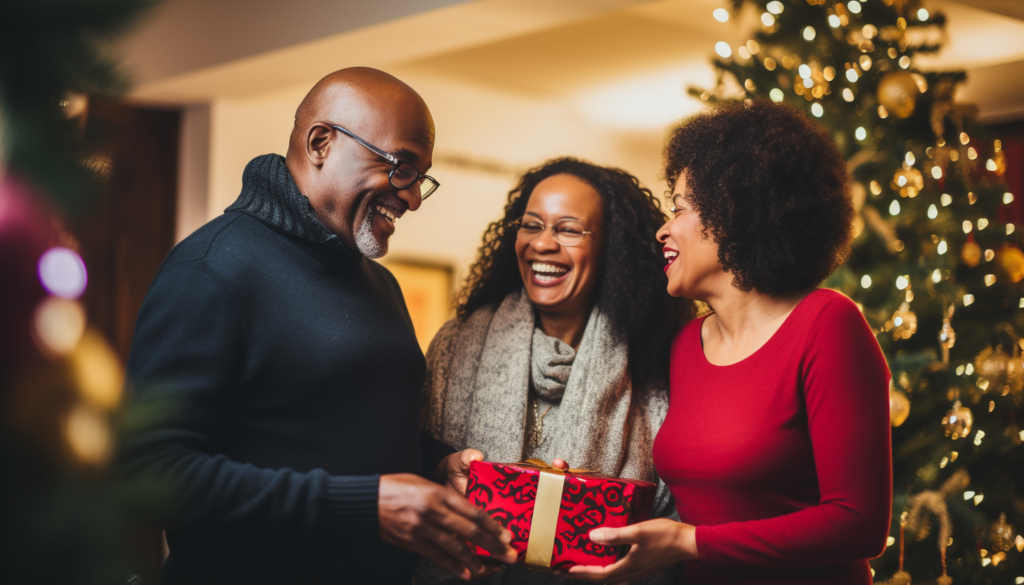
269	194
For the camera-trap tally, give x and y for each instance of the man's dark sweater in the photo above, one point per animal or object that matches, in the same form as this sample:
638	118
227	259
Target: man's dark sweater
294	380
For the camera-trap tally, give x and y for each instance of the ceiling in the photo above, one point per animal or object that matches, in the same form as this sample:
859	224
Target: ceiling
591	54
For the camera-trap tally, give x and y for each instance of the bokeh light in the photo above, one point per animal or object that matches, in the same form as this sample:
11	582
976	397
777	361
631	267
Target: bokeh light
97	371
62	272
58	325
88	435
776	95
721	14
723	49
809	33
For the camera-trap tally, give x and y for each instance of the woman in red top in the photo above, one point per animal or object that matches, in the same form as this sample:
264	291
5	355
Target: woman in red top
777	444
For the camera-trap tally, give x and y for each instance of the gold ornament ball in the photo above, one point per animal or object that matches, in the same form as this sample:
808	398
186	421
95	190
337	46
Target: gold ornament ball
1000	369
1010	264
899	406
1001	534
898	92
958	421
904	322
971	254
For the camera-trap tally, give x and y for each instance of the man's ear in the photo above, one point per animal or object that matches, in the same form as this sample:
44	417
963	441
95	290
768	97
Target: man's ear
318	143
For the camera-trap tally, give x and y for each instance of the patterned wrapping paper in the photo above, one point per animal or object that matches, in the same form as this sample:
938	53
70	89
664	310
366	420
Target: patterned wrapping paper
508	491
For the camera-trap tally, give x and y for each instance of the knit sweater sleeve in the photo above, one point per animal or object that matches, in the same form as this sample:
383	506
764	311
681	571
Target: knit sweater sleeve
845	380
186	360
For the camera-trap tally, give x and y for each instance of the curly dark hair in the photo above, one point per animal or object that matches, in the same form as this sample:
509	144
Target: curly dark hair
631	284
770	188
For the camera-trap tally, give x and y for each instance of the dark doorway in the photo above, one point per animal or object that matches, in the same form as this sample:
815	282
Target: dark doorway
125	235
130	229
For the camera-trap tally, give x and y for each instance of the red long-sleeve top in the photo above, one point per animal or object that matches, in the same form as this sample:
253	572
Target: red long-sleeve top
783	460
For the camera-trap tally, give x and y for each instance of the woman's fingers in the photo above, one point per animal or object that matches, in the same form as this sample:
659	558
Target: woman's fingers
624	535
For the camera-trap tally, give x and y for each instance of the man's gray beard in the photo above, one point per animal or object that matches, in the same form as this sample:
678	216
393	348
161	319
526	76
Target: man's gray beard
366	242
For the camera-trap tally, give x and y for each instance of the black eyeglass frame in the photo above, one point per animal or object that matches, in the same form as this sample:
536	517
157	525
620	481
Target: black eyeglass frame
518	225
394	160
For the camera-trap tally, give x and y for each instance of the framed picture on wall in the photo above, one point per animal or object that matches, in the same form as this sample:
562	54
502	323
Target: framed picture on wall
427	288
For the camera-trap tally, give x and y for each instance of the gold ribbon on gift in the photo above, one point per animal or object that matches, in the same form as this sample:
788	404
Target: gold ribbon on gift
551	480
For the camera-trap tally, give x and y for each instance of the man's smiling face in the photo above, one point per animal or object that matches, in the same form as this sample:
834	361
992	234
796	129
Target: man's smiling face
347	183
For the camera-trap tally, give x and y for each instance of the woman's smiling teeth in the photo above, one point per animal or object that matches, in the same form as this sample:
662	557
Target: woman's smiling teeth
545	272
670	256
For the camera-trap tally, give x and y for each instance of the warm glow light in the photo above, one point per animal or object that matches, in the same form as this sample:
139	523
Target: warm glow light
922	15
990	279
904	61
933	211
894	207
942	247
882	112
98	371
1007	198
817	110
804	70
809	33
833	21
910	158
902	282
946	199
1009	228
968	299
967	226
860	133
775	7
767	19
865	281
88	435
62	273
854	6
936	173
936	275
723	49
990	165
851	75
847	94
982	223
58	325
776	95
721	14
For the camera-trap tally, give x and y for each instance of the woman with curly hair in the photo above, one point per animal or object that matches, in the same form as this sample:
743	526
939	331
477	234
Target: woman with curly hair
560	344
776	446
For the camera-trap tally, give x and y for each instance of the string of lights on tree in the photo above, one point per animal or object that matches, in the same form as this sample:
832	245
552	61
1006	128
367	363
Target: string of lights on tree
936	265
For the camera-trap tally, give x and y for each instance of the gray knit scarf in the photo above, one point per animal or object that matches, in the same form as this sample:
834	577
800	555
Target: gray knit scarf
477	392
478	378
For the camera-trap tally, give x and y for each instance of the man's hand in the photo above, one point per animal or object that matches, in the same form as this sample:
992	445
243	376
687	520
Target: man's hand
453	470
435	521
657	544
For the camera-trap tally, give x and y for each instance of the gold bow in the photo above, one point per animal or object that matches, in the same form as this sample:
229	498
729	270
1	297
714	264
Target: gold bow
541	465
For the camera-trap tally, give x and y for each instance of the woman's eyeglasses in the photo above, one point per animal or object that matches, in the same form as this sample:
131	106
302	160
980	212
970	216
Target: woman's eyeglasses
567	232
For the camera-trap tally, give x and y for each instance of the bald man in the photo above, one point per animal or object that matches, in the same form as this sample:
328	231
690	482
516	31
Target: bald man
291	370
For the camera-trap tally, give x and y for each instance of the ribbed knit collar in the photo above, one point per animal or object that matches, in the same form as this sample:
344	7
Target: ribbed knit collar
270	195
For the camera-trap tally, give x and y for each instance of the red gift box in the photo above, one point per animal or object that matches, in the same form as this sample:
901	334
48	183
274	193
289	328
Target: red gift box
568	506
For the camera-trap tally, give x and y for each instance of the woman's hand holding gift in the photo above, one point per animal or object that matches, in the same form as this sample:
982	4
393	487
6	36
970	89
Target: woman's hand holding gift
656	544
453	470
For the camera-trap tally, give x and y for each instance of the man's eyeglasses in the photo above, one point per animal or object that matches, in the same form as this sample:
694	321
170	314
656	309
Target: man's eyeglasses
403	175
567	232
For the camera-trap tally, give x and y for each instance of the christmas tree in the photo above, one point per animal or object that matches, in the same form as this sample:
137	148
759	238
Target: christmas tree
64	517
933	267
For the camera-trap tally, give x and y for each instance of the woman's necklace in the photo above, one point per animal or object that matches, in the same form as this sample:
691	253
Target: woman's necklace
537	432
